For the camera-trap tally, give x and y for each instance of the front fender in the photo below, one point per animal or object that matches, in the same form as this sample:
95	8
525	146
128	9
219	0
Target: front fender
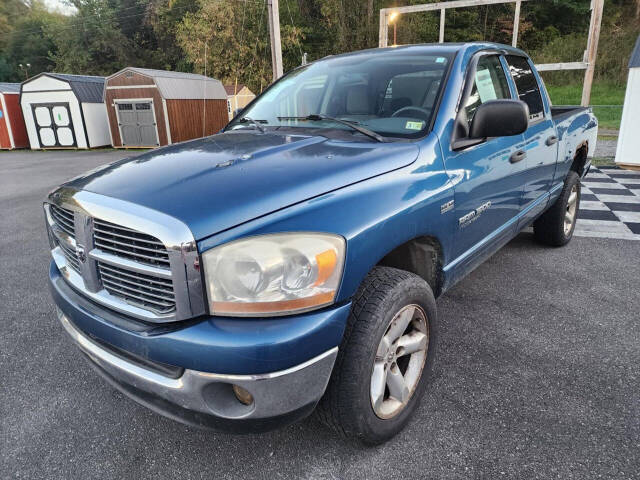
374	216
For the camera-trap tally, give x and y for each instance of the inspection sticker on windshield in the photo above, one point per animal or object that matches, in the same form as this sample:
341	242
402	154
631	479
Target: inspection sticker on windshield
413	125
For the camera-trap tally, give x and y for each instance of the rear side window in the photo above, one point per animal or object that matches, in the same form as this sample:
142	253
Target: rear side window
490	83
527	86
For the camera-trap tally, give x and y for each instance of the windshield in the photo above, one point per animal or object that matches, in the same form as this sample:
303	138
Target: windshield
393	94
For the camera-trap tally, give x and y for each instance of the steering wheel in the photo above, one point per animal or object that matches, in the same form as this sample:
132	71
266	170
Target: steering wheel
422	112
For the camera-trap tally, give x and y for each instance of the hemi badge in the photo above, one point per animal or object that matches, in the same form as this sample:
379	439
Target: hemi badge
445	207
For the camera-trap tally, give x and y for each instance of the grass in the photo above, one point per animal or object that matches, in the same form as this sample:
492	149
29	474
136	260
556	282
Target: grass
601	94
602	162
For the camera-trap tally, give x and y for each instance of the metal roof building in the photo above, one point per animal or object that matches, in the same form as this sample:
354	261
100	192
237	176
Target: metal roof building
627	155
64	111
148	108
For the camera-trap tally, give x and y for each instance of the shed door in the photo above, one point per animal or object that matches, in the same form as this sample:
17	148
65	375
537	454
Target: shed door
137	124
53	125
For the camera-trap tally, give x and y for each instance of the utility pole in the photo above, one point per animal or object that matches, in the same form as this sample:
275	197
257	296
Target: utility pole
274	35
592	49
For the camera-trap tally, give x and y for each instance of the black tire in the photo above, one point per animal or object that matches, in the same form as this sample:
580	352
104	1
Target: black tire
346	406
550	227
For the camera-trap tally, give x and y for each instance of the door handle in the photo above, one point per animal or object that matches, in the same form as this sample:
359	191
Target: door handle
517	156
551	140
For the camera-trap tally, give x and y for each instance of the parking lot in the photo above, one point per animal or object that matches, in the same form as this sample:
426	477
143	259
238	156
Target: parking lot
538	374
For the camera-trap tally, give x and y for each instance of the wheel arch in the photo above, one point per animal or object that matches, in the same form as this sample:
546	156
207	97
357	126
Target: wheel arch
580	158
422	256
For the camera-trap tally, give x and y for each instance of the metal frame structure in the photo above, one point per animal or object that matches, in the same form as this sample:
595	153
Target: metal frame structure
587	63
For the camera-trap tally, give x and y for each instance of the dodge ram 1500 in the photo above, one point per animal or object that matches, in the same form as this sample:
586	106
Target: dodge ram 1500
292	261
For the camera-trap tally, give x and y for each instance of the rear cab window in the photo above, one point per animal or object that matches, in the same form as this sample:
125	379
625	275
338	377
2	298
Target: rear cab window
526	85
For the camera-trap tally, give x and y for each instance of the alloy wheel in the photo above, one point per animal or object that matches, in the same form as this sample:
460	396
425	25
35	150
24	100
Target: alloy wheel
399	361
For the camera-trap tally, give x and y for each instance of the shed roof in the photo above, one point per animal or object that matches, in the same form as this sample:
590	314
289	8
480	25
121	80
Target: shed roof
634	61
180	85
232	89
9	87
87	88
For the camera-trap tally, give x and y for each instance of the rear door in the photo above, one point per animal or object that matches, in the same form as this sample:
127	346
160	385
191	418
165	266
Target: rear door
488	186
53	125
540	140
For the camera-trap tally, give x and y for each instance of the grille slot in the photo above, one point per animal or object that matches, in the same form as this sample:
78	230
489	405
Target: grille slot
145	291
64	219
70	255
130	244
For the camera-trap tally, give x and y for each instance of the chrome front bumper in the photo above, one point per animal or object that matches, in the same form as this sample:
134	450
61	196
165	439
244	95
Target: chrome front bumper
207	399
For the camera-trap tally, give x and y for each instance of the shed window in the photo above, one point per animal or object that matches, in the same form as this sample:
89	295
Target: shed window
143	106
125	106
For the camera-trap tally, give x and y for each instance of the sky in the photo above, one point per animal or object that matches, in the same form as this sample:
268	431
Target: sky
60	6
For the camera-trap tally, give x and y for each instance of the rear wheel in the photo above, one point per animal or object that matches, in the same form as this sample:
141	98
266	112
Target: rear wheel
385	358
555	227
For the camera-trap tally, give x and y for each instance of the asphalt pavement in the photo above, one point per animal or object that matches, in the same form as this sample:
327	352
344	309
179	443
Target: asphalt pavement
538	374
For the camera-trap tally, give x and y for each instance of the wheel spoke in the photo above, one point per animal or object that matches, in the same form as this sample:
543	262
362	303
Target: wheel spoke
572	198
378	382
397	388
383	348
568	218
411	343
399	325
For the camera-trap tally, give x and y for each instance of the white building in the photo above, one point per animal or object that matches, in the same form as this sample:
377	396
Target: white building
64	111
628	151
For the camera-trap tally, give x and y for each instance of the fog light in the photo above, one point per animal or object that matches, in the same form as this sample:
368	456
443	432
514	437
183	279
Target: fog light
242	395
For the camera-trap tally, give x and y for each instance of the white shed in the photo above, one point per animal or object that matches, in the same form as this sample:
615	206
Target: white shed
65	111
628	151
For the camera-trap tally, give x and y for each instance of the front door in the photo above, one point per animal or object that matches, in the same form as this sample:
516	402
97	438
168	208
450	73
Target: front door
488	184
53	125
137	124
541	142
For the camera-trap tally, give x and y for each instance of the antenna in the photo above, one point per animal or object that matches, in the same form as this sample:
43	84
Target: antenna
204	90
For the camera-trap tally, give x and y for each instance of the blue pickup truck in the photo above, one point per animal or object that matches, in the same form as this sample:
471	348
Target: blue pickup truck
292	261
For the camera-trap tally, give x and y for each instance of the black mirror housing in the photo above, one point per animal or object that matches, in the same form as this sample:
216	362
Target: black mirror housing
500	118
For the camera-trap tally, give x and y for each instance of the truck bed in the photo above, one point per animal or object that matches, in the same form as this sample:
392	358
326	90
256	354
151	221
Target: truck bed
563	111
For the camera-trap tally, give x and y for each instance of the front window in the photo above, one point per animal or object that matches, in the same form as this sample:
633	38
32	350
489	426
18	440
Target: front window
489	83
393	93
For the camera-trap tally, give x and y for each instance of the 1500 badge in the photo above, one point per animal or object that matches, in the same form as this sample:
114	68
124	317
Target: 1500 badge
473	215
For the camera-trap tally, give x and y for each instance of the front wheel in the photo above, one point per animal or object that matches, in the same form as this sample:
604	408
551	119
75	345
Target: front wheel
555	227
385	358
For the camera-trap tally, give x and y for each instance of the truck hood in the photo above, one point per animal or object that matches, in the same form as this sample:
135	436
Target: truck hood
218	182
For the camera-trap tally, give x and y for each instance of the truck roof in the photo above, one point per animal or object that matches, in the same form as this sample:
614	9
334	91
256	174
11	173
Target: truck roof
469	47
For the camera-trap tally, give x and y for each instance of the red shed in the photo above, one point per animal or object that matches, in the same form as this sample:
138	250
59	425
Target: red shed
13	133
148	108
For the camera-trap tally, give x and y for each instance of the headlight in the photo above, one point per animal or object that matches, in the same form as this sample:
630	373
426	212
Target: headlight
274	274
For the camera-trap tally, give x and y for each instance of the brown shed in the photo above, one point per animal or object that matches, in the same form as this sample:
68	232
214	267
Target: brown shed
148	108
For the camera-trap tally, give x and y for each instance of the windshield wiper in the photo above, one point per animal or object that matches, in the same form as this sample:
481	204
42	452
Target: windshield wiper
255	123
349	123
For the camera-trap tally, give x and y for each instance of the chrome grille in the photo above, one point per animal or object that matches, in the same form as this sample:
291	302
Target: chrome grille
127	257
125	242
70	256
64	219
147	291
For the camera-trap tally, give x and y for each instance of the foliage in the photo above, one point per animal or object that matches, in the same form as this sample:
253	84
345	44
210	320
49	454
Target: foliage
104	36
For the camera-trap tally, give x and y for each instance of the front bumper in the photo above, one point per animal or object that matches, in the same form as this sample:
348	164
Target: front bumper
186	370
207	399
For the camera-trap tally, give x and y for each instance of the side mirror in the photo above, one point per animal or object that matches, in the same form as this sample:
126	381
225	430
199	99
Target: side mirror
500	118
